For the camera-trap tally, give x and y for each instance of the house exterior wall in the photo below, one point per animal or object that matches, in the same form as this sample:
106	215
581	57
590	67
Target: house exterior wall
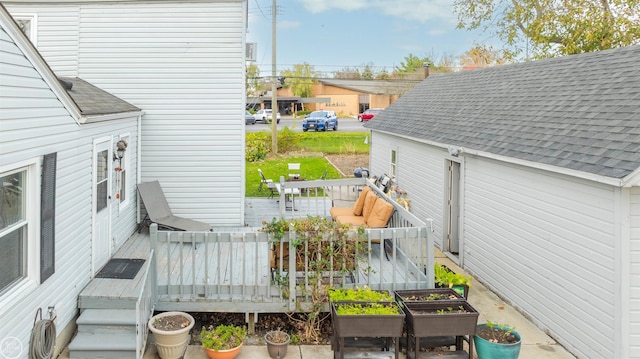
547	243
420	172
183	64
33	123
634	274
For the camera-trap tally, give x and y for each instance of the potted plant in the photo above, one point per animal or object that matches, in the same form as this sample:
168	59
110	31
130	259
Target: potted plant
446	278
277	343
223	341
373	319
427	295
171	333
497	341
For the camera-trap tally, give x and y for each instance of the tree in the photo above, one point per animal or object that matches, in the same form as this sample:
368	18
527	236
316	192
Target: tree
301	79
411	64
483	56
548	28
253	85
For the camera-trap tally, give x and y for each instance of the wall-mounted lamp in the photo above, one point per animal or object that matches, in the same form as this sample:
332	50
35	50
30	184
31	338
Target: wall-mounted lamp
454	151
121	146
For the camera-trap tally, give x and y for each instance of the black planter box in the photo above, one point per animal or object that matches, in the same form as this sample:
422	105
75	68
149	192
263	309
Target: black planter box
424	321
364	325
433	324
416	295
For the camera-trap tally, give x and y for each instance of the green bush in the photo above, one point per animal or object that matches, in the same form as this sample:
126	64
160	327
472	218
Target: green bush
257	146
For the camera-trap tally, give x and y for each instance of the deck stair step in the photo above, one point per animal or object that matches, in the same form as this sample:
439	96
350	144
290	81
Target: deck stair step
104	333
103	321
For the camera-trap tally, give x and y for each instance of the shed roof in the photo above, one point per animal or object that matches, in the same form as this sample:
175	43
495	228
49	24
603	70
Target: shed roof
377	87
580	112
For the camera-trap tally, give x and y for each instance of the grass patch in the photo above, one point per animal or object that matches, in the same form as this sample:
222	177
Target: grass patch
330	142
311	168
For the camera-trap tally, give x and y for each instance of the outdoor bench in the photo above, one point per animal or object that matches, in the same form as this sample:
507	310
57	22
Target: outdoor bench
369	210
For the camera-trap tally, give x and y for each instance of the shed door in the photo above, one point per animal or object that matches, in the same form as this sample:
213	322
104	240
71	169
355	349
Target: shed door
452	210
101	248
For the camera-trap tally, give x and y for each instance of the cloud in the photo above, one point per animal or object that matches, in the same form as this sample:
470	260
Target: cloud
414	10
288	24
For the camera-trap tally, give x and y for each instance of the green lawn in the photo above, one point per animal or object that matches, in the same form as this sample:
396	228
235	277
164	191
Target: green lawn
335	142
311	167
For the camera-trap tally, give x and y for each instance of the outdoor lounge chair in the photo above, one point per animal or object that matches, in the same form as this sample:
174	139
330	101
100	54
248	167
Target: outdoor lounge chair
158	210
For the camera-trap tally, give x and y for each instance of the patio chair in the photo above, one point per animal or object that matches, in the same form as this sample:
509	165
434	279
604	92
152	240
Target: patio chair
294	167
158	210
267	183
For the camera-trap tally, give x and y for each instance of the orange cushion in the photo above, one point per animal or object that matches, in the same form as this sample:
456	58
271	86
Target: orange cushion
380	214
369	201
358	206
353	220
340	211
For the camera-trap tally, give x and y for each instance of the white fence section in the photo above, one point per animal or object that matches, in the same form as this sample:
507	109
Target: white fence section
233	270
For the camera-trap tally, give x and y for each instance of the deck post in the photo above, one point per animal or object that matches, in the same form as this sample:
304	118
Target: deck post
292	269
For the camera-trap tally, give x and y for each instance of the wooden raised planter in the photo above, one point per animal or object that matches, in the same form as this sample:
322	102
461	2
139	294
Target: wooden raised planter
366	325
439	319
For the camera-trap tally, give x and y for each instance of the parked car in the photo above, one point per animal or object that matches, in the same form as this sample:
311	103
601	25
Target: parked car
369	114
265	116
249	119
320	121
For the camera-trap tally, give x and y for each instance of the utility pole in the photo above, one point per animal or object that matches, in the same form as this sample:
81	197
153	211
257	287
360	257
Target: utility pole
274	86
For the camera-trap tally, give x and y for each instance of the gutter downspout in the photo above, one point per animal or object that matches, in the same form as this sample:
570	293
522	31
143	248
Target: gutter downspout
139	164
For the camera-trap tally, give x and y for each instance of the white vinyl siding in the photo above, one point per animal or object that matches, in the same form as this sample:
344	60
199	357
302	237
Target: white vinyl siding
545	242
634	275
35	123
56	35
420	173
183	64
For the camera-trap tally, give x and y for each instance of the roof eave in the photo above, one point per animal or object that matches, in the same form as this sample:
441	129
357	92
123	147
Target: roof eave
462	151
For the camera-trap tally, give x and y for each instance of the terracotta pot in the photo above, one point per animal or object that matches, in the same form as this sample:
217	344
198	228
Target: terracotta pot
223	354
171	344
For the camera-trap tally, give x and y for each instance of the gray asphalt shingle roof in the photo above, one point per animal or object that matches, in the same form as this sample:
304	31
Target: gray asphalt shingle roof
92	100
580	112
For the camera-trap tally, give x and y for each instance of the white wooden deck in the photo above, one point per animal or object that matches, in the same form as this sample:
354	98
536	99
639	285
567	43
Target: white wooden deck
228	269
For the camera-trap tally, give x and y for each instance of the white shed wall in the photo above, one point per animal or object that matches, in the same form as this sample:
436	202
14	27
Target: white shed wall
183	64
33	122
420	173
546	243
634	275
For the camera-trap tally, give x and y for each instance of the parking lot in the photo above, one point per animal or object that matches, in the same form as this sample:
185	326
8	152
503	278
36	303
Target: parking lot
345	124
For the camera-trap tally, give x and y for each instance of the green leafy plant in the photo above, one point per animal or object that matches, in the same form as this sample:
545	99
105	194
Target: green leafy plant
324	251
364	294
447	278
222	337
382	308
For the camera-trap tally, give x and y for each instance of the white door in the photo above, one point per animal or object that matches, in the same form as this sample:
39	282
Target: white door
101	243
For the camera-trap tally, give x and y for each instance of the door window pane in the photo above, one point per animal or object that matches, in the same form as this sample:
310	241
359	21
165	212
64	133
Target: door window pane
102	173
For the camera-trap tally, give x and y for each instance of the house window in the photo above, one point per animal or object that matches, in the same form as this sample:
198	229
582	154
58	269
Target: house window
394	161
18	224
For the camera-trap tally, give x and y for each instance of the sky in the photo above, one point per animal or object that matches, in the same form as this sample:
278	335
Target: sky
334	34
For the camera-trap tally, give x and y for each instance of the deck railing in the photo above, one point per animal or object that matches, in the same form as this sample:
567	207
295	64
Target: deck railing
232	271
145	304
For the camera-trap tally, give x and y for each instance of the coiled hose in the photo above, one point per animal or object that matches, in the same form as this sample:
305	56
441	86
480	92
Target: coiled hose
43	339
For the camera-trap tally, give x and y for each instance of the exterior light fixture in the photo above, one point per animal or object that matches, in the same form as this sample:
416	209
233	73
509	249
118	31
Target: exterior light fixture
121	147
